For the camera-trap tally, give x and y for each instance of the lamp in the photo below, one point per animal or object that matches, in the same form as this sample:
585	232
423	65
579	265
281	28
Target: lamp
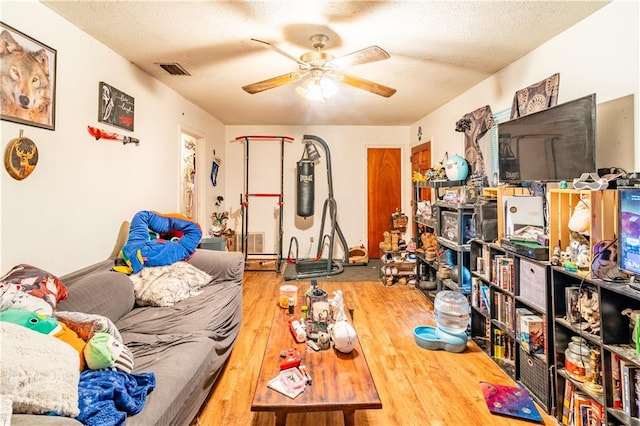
317	88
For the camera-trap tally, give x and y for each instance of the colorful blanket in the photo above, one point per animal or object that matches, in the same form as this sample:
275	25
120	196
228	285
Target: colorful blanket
107	397
178	238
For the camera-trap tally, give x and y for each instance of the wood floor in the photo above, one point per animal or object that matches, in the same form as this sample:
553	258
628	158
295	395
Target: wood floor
416	386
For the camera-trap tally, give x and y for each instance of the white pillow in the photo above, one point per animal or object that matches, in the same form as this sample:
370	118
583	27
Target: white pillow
168	285
40	373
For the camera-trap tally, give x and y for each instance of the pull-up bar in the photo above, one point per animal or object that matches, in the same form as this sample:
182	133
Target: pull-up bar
244	198
283	138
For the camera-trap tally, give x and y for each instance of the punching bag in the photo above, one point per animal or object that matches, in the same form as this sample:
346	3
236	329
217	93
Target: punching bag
305	188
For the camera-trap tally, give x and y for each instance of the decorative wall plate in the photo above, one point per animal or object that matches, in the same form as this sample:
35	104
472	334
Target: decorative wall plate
21	157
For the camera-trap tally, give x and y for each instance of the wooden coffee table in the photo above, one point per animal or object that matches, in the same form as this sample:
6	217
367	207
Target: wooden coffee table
341	382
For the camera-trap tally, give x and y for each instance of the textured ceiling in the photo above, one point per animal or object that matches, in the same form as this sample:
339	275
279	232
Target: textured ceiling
439	49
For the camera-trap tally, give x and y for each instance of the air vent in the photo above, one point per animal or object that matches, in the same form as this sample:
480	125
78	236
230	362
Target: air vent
174	69
255	242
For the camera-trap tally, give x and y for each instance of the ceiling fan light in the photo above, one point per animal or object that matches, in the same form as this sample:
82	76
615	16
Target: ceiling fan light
317	90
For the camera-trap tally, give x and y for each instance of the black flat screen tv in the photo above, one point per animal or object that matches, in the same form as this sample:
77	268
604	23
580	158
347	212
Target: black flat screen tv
555	144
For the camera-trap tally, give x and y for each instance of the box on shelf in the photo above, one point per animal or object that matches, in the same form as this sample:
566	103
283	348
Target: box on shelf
532	334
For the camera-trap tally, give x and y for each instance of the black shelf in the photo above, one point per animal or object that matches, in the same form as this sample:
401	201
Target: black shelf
507	293
612	343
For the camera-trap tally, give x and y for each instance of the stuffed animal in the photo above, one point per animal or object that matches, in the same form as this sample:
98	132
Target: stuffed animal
100	351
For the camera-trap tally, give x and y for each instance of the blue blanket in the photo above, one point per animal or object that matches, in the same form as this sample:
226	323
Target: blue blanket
106	397
141	251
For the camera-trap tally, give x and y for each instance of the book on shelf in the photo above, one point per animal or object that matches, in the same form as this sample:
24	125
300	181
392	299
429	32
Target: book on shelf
475	292
485	302
581	409
486	258
615	381
597	414
627	371
498	343
567	401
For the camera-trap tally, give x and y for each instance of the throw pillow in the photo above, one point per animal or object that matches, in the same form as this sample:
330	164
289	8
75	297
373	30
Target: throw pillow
37	282
39	374
168	285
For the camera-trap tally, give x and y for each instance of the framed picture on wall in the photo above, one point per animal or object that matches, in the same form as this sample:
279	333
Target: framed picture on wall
115	107
28	93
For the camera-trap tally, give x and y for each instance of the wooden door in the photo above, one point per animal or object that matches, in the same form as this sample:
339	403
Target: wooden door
384	193
421	161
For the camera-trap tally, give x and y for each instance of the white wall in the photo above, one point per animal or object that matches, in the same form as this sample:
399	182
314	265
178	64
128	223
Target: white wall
67	213
598	55
347	147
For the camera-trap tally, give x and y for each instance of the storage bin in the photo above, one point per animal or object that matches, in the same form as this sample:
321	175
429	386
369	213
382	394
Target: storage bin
534	375
453	230
533	283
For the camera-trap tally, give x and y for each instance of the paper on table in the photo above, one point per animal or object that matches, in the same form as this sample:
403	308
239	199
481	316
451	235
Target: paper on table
277	385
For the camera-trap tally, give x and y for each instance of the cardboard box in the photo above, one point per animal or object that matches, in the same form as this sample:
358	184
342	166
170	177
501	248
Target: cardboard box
532	336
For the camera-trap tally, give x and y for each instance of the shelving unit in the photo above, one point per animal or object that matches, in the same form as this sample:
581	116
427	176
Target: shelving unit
509	290
400	267
612	344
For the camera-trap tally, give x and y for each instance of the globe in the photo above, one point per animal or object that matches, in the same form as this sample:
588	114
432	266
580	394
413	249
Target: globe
456	168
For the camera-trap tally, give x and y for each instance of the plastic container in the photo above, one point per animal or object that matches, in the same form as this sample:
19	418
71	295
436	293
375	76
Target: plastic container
451	311
287	292
577	360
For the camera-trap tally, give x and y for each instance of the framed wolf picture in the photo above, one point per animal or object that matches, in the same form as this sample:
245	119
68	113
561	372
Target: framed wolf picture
28	88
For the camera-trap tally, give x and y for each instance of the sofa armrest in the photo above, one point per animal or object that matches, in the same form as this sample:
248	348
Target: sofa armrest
221	265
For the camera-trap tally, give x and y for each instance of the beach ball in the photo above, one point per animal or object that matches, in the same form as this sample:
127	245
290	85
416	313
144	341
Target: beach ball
456	168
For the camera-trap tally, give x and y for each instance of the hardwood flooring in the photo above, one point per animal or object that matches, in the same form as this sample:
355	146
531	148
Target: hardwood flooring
416	386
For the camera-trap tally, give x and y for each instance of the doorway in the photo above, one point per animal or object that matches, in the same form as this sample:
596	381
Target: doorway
421	162
384	193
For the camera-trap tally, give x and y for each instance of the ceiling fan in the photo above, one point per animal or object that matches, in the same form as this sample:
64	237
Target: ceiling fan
321	66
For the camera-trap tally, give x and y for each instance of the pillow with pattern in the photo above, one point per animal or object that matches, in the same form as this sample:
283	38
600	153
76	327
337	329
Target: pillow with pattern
36	282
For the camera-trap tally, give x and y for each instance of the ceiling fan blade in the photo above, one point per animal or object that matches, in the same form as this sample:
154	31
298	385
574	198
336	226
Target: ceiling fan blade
272	83
363	56
370	86
280	51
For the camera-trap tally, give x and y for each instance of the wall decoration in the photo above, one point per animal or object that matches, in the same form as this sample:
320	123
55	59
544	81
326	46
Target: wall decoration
28	76
115	107
21	157
103	134
538	96
474	125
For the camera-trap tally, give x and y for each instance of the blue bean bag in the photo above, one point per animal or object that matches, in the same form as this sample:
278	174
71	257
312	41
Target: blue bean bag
157	239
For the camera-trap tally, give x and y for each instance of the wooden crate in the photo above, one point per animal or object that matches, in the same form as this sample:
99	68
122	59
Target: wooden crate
603	223
505	191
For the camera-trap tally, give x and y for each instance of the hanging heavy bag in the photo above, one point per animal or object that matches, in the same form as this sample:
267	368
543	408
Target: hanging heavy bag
305	188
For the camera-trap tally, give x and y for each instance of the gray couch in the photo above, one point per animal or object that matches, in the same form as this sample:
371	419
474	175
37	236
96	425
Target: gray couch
186	346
